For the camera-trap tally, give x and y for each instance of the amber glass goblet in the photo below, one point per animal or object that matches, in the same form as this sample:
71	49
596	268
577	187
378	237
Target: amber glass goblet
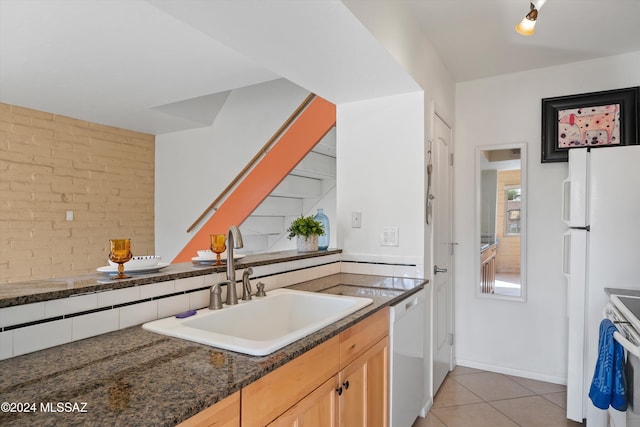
120	253
218	246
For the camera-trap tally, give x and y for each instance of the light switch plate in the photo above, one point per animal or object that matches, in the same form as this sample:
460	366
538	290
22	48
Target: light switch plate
356	219
389	236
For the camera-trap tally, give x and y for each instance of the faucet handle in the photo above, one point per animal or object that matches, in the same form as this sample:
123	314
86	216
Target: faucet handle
260	292
215	298
246	284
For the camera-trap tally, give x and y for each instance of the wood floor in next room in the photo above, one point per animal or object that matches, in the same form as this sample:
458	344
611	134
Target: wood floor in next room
473	398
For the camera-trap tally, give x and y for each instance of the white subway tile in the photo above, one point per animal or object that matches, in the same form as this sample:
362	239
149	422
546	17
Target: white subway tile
407	271
41	336
93	324
157	289
173	305
73	304
199	299
21	314
264	270
294	277
137	314
358	268
6	345
190	283
118	296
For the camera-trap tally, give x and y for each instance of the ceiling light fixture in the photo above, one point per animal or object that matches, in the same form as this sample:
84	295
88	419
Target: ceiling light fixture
526	27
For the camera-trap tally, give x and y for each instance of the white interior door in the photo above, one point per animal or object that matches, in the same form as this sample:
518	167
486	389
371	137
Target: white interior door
442	253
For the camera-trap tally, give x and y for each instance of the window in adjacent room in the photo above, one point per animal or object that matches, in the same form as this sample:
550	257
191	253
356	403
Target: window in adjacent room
512	214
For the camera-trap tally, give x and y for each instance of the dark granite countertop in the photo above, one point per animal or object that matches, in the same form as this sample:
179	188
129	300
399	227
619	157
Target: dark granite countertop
133	377
19	293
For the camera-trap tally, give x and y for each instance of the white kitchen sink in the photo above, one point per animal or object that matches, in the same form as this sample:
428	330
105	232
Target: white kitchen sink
262	325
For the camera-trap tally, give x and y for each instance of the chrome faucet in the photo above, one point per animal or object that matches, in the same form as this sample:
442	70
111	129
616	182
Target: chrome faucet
234	241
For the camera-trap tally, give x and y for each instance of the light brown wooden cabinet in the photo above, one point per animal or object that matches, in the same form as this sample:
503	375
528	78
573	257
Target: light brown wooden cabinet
319	408
225	413
364	400
358	395
341	382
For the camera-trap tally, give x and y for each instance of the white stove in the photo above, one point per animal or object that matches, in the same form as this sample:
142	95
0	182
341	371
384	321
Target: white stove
624	311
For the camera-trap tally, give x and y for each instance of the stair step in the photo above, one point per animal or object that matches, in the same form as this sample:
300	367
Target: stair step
279	206
262	225
317	166
297	194
298	186
327	145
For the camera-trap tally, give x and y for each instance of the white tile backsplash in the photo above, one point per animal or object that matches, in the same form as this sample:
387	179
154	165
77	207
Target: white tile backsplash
157	289
137	314
73	304
373	269
48	334
189	283
38	337
6	345
173	305
93	324
118	296
21	314
199	299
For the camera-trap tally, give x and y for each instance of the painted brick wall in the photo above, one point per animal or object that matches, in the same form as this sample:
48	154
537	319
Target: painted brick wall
51	164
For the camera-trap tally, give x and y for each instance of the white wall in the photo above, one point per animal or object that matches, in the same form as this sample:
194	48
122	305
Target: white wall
194	166
528	338
399	34
380	167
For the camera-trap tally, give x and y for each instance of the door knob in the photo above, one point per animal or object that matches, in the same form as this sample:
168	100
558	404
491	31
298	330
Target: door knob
437	270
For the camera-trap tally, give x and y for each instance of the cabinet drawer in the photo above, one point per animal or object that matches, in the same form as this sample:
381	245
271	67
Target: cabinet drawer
271	395
225	413
357	339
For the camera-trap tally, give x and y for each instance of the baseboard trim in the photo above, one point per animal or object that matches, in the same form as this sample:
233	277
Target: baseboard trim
511	371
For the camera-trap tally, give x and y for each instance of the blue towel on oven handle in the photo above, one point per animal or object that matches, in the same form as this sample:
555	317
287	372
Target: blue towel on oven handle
609	387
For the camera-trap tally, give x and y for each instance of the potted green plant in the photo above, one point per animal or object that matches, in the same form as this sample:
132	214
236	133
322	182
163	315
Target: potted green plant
306	231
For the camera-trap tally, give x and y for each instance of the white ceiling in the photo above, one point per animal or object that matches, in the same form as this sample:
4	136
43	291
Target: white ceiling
164	65
476	38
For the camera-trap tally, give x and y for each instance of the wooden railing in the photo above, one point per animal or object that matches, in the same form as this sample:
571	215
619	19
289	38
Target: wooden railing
254	160
488	270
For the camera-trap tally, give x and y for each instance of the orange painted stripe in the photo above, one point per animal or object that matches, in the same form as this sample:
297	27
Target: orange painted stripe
303	134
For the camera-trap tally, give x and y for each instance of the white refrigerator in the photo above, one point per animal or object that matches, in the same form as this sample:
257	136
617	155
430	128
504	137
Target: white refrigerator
601	249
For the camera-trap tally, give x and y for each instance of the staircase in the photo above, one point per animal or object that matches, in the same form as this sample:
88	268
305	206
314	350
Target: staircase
300	193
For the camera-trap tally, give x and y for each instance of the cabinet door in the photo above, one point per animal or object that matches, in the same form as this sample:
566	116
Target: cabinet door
365	389
225	413
318	409
266	399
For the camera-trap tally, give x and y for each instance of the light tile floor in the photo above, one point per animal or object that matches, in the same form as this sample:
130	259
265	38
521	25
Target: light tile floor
473	398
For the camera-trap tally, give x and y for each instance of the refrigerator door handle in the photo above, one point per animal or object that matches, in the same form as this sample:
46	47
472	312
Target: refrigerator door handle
566	200
566	252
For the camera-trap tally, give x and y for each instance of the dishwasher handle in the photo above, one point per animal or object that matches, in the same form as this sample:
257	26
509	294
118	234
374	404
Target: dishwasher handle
407	305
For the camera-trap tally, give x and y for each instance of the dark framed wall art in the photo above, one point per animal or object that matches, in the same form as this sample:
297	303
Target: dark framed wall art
597	119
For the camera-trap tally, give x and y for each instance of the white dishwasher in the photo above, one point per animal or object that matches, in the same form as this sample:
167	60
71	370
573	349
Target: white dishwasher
407	359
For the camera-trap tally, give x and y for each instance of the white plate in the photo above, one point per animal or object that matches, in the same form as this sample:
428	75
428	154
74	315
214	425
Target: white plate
138	262
110	269
223	257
